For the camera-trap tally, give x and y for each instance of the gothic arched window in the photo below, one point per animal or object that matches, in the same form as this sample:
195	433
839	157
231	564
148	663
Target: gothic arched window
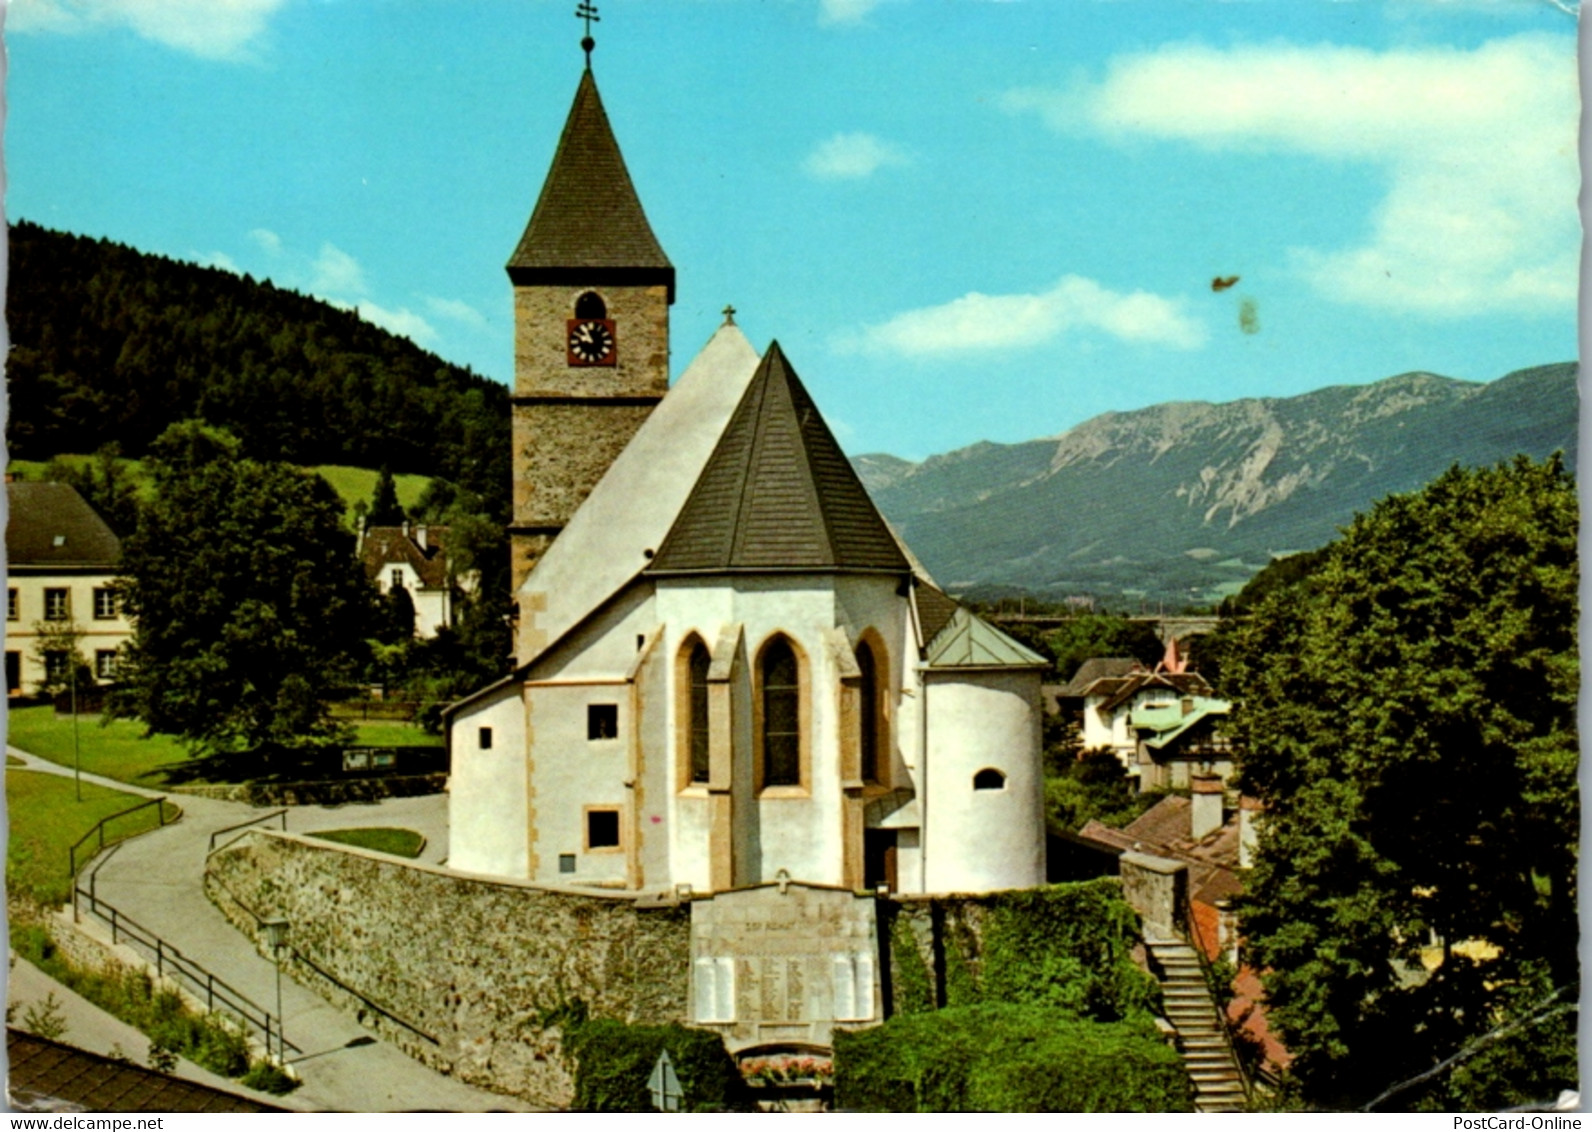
867	713
697	727
780	679
591	305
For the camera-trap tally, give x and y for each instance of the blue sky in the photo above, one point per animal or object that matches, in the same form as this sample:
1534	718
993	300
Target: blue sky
964	220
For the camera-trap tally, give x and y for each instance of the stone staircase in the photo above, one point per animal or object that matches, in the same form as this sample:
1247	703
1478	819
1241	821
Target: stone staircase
1201	1036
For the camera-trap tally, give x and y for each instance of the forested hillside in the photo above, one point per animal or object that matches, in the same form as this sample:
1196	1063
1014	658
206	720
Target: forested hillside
112	344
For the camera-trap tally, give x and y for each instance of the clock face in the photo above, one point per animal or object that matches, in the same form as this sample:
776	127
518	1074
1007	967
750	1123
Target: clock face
591	342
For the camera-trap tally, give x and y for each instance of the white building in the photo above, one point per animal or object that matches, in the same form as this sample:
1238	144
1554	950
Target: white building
414	558
735	674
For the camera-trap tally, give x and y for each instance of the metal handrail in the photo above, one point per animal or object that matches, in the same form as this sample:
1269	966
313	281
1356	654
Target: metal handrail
171	963
282	813
1192	926
99	829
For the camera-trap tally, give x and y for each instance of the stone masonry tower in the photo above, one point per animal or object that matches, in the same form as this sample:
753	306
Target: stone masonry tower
592	290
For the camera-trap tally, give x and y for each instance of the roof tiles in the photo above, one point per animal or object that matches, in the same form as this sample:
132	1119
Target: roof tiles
52	525
777	493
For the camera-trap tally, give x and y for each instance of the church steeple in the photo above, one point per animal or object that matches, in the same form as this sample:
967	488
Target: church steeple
592	290
588	225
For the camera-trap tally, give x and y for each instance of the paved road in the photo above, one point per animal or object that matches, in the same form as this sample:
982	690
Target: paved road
157	878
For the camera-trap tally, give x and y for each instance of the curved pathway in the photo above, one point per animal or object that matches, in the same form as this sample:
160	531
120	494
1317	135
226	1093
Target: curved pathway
157	879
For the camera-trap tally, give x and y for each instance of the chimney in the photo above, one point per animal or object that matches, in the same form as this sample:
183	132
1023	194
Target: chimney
420	536
406	527
1188	705
1205	814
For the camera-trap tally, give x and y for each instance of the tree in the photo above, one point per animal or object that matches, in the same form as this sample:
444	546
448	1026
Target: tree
1408	716
249	607
104	484
385	510
1101	634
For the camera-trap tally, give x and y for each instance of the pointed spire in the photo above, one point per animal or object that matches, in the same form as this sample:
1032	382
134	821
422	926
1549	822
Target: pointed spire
1172	663
778	493
588	225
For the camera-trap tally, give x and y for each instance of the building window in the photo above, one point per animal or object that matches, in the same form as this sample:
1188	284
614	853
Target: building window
13	671
591	305
104	603
13	606
867	713
602	721
781	681
700	662
989	779
566	862
105	664
602	829
57	604
55	664
397	582
484	738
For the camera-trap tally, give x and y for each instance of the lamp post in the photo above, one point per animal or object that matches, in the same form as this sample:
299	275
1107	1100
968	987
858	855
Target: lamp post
276	935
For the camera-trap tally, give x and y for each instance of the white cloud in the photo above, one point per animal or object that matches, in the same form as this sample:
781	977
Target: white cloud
1479	148
845	11
978	322
218	259
267	240
456	310
851	156
212	29
402	321
335	272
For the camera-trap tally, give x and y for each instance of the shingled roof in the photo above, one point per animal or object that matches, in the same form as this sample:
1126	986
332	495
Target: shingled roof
777	493
588	225
52	526
382	547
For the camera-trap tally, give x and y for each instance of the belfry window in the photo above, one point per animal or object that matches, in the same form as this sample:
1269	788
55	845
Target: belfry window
781	715
868	713
591	305
700	662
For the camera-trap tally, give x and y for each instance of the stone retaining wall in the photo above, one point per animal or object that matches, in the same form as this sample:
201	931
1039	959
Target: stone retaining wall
328	792
470	976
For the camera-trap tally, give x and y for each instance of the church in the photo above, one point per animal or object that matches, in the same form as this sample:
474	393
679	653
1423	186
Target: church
729	670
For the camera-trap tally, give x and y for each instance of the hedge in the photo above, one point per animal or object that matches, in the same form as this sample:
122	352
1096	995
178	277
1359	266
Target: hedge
614	1060
1004	1058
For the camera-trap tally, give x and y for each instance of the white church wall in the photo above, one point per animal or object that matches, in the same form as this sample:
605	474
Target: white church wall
487	818
979	840
654	783
579	768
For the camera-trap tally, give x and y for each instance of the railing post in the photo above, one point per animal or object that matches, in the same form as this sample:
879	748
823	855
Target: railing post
210	993
113	926
160	958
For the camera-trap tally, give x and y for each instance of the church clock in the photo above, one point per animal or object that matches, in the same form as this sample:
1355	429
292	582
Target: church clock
591	342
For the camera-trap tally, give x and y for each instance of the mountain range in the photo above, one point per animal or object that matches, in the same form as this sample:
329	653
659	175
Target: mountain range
1185	501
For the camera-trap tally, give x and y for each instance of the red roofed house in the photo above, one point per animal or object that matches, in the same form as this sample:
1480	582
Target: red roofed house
414	558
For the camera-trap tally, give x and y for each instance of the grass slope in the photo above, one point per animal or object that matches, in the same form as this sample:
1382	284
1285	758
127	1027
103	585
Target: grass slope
355	485
46	819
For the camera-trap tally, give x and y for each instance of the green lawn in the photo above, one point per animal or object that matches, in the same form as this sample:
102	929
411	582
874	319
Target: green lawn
46	819
391	733
116	749
383	839
353	484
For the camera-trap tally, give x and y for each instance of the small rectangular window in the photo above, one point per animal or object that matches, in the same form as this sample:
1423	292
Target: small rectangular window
104	603
484	738
13	606
55	664
57	604
105	664
397	579
602	829
566	862
602	721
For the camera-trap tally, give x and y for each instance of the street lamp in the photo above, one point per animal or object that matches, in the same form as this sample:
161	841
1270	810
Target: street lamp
276	936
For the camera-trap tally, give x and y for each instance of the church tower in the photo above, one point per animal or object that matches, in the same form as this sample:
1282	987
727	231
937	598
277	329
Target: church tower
592	290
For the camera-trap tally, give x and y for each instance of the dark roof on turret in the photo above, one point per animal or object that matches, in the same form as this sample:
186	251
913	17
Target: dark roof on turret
51	525
588	225
777	493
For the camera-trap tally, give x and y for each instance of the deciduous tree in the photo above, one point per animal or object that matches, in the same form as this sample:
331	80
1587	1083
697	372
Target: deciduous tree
248	603
1408	710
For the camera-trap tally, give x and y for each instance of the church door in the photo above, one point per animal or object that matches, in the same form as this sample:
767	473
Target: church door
879	858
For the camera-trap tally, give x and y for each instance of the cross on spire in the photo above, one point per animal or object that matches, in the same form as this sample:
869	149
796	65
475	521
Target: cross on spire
729	315
587	11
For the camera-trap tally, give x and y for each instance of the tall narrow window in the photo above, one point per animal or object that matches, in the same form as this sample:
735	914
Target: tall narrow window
701	661
781	716
868	713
